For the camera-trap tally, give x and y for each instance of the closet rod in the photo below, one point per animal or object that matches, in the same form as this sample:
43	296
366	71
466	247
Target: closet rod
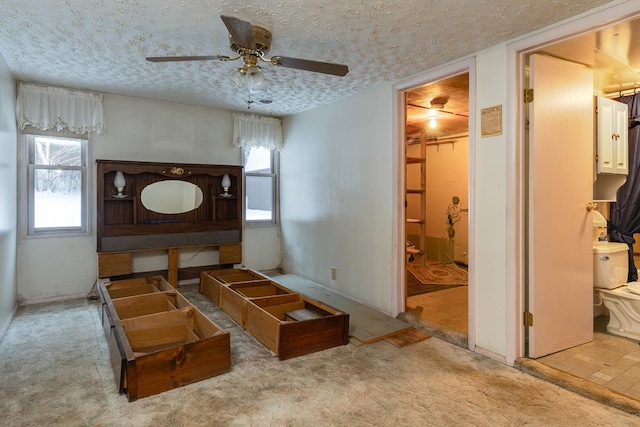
624	92
446	140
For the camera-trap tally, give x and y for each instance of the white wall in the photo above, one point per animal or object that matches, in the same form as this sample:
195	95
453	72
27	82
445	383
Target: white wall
337	210
490	206
336	196
8	197
141	130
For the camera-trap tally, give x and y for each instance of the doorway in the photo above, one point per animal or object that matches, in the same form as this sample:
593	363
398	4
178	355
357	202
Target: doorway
436	171
610	55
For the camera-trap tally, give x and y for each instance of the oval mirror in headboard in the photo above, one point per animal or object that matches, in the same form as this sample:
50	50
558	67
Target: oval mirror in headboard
171	197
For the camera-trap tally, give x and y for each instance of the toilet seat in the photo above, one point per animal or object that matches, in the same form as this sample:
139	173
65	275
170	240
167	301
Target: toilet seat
634	287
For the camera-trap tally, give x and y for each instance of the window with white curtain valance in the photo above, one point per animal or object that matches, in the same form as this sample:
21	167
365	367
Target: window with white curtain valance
256	131
46	107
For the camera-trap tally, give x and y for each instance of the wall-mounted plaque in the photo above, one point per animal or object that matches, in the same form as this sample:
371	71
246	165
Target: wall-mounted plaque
491	121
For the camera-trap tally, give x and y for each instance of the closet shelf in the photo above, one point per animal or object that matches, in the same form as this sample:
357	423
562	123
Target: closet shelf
414	160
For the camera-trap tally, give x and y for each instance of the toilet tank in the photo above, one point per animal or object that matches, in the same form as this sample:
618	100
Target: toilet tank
610	265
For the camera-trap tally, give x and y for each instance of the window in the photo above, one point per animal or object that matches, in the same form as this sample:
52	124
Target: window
56	185
261	186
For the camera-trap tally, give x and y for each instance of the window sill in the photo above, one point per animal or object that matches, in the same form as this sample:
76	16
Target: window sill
258	224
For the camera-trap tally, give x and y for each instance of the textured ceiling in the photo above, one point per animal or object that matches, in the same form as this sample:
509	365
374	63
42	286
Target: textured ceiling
101	45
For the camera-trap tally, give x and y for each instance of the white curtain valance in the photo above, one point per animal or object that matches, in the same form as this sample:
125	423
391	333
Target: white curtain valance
256	131
46	107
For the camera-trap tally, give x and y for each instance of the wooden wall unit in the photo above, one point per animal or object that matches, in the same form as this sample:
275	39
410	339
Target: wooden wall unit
125	225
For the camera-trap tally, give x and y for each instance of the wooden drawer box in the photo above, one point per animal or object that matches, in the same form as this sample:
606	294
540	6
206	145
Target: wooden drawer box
235	275
142	305
211	281
293	325
285	322
139	286
158	340
234	298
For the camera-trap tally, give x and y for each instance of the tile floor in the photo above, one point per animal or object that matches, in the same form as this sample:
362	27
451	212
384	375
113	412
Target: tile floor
609	360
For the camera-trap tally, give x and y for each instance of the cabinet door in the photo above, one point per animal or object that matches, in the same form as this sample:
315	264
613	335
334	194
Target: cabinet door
606	162
620	139
613	151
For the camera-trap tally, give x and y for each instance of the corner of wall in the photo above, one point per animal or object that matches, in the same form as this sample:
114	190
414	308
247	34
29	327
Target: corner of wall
5	326
8	197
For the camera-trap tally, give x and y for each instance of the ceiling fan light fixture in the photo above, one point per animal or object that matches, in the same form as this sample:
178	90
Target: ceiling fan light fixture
237	77
255	78
251	43
250	78
433	123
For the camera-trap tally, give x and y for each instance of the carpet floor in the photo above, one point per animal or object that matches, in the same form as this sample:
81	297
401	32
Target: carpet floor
55	371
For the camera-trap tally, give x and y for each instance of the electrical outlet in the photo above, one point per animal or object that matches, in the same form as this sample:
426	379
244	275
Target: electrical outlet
334	272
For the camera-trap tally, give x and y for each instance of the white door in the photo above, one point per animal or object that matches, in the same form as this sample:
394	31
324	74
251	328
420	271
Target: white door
560	184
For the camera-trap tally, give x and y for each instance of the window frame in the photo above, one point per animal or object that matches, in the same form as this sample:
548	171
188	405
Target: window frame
29	169
274	175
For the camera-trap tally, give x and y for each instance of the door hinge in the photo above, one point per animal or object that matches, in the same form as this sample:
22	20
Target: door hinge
528	96
528	319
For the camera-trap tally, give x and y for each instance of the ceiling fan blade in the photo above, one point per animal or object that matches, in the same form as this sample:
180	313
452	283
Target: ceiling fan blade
308	65
241	31
187	58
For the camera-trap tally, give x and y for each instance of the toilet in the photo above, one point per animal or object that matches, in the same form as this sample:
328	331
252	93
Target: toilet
622	299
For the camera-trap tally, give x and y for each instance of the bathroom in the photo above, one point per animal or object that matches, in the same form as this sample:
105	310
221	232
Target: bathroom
609	357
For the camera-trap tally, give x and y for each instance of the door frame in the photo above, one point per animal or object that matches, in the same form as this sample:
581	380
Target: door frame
465	65
516	157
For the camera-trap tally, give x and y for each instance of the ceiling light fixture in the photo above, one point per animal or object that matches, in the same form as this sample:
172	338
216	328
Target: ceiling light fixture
249	77
435	105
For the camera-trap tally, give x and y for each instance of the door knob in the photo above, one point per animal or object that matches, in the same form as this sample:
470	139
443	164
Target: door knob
591	206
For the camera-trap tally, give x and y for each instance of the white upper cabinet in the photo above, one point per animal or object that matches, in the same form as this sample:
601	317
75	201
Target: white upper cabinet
612	154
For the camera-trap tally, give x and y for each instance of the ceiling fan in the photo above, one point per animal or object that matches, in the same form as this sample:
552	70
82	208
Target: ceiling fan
251	43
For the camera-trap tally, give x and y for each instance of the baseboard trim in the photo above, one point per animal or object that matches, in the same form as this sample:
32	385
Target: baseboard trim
491	355
34	301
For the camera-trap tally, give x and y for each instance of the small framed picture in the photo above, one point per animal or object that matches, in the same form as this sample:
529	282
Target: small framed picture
491	121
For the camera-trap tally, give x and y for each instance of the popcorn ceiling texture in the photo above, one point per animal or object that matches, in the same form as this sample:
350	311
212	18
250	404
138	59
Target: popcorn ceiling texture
101	45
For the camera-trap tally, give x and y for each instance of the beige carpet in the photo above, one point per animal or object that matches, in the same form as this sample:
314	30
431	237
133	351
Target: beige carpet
55	371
